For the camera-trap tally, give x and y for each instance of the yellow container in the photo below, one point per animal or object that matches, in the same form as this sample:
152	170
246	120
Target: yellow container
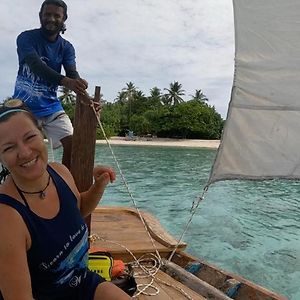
101	263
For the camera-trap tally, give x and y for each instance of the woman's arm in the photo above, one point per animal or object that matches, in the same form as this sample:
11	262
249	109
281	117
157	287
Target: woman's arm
15	280
90	198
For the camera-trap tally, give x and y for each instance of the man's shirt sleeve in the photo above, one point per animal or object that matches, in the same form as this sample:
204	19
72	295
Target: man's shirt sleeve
38	67
25	46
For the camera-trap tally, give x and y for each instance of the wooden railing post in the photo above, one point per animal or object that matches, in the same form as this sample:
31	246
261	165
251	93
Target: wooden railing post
84	142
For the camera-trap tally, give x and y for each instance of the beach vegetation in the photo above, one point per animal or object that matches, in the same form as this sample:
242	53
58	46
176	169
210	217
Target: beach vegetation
165	115
174	93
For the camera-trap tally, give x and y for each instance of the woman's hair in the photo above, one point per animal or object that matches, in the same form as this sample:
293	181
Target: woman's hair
8	109
13	106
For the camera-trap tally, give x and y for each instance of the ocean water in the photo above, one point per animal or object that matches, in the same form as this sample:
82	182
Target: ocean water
248	228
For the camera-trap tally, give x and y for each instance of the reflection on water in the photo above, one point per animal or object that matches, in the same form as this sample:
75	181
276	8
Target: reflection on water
249	228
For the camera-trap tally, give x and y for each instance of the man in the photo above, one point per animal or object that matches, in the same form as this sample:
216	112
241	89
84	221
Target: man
42	53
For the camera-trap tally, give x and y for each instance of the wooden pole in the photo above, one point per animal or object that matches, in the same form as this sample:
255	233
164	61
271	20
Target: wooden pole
83	144
194	283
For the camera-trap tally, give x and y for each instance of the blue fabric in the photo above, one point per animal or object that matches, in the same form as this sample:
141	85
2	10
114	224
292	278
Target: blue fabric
40	96
58	255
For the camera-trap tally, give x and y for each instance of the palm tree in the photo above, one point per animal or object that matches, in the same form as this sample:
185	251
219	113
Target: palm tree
156	97
155	93
139	95
67	96
129	94
129	91
199	96
174	94
121	97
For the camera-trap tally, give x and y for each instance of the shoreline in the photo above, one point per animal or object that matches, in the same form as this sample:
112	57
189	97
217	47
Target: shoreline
162	142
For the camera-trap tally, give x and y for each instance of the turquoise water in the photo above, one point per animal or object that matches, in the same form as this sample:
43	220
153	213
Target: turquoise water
249	228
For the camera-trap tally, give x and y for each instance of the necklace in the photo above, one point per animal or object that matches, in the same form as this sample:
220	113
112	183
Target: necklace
42	193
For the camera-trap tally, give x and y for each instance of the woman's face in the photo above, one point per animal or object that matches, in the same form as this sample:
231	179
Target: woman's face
22	148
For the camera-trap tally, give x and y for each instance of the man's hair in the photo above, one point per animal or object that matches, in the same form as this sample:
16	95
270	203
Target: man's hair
59	3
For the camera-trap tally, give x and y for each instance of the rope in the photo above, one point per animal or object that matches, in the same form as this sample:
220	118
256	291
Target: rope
193	210
157	257
148	271
125	182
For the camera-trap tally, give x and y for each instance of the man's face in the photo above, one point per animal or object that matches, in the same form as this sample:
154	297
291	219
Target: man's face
52	19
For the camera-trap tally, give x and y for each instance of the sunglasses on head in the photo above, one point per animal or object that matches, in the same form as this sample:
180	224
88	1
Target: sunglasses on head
10	106
12	103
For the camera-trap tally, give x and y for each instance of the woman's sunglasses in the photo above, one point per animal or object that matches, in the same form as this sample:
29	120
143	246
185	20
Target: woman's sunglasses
10	106
12	103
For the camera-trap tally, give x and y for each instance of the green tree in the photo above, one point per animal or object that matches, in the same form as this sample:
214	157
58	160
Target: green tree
68	101
121	98
155	98
129	93
67	96
140	124
199	96
155	92
174	94
132	110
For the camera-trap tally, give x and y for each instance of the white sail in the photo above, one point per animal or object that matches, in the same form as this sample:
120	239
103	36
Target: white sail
261	138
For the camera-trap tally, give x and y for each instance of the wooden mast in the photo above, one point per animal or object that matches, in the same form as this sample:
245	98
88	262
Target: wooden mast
84	141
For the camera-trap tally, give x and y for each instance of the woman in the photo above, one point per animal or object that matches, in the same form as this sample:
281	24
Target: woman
43	248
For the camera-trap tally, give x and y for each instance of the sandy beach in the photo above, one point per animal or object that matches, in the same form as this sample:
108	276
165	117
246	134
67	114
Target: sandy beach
162	142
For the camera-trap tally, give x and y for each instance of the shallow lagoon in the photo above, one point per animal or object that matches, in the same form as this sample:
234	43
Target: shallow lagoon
249	228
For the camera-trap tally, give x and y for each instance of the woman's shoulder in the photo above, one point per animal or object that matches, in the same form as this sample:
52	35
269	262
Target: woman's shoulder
58	167
63	172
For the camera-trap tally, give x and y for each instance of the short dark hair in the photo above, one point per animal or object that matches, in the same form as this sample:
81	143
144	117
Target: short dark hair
59	3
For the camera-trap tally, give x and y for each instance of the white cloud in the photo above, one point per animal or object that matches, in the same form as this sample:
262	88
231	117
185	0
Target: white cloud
150	43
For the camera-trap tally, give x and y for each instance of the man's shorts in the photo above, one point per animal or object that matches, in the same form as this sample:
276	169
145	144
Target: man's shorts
56	127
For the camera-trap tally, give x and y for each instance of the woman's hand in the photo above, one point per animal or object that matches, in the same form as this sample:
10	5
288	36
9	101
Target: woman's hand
90	198
103	175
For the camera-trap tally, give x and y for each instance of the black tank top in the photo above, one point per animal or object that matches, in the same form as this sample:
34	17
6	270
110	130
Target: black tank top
58	255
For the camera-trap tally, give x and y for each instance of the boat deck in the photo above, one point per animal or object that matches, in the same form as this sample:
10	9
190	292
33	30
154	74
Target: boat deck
123	227
121	231
168	292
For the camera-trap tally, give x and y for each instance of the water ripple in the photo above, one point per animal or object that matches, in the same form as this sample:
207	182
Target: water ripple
246	227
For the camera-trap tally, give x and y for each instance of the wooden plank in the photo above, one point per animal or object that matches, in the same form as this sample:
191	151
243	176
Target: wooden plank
167	292
161	234
193	282
218	278
123	226
83	144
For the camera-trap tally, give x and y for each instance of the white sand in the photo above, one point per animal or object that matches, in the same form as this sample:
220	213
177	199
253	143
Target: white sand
163	142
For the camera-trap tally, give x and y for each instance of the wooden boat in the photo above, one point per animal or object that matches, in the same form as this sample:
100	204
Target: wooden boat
121	230
127	234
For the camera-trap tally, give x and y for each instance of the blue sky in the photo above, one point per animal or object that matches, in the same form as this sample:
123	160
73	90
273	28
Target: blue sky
149	42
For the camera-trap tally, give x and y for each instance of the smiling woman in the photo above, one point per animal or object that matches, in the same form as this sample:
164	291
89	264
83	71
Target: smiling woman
37	201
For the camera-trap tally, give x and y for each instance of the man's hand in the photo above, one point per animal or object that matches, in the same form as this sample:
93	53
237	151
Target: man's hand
79	85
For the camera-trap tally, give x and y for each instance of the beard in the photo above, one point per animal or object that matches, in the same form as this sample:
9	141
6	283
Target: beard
50	29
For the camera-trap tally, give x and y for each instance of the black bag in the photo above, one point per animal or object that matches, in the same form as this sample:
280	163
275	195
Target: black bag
126	282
